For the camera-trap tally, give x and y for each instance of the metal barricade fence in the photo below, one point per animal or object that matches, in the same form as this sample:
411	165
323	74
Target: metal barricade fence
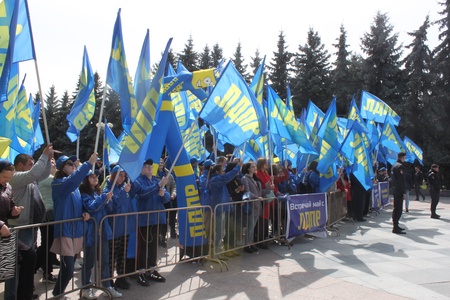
40	237
336	207
242	224
137	249
247	223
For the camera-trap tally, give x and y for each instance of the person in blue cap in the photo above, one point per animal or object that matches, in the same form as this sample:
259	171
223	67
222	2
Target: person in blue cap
67	204
150	195
122	227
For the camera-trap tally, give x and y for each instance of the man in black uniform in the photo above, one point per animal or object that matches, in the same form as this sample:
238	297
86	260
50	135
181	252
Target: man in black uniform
399	184
434	182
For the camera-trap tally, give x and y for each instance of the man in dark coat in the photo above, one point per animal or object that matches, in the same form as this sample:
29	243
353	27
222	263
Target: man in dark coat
434	182
399	185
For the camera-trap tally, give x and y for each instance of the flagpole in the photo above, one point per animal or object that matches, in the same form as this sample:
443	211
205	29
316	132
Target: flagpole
105	88
78	147
44	118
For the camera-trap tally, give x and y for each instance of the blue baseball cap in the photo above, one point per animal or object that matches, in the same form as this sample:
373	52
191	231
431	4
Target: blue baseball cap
62	159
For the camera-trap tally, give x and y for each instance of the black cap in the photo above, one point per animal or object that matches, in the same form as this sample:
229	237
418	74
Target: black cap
435	166
148	162
401	154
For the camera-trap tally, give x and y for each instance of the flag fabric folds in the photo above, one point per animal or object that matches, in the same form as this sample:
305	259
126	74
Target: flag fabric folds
118	77
83	108
373	108
136	142
282	122
233	110
328	133
413	151
257	84
142	78
24	45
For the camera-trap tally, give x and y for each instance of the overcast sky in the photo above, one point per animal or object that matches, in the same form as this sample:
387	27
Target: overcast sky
62	28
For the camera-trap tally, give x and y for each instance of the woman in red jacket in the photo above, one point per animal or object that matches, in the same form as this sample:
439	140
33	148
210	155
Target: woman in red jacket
344	185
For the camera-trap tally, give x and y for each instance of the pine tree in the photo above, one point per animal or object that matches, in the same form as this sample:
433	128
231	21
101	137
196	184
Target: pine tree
238	61
279	68
217	55
381	68
312	73
437	110
255	61
205	59
343	80
189	57
419	80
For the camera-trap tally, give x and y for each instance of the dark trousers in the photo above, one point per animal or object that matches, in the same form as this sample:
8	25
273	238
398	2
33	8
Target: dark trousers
434	200
45	258
418	191
118	254
148	246
358	201
65	274
398	207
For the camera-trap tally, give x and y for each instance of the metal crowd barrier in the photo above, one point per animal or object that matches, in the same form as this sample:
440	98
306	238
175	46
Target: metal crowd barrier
35	232
229	222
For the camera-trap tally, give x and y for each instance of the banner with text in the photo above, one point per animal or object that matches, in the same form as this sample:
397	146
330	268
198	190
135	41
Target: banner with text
306	213
384	193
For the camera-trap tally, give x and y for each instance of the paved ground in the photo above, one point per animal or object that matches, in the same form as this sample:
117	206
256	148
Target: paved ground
365	261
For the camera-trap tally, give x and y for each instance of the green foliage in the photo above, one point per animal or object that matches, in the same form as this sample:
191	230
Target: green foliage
238	61
279	68
312	73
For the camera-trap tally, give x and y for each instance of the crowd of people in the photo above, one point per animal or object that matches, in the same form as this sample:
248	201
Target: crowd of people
77	195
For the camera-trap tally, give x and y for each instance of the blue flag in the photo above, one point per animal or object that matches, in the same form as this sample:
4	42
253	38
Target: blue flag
328	133
8	22
413	151
8	112
118	77
314	117
142	77
390	142
373	108
257	84
282	122
112	146
289	104
38	139
233	110
24	45
23	126
83	108
135	147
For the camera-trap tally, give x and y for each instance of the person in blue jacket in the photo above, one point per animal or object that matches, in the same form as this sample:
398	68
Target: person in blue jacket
151	196
121	226
218	194
67	204
97	204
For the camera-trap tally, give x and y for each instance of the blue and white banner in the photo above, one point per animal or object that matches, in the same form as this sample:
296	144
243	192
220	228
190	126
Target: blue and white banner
384	193
306	213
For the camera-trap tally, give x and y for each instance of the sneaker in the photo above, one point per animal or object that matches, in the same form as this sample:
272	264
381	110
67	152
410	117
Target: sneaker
122	283
49	278
155	276
114	293
88	294
142	280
